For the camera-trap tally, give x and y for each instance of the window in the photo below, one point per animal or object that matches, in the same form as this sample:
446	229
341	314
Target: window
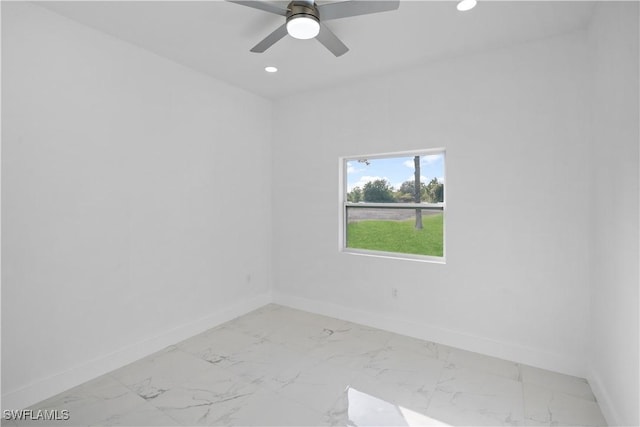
383	214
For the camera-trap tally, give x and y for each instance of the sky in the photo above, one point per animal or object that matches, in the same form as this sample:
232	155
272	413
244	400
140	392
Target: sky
395	170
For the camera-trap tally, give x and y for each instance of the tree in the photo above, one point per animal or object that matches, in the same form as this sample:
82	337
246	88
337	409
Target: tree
403	197
406	192
439	193
435	191
378	191
407	187
416	191
354	195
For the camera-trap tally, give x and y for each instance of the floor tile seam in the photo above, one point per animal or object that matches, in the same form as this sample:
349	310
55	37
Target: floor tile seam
478	370
142	400
262	380
361	368
556	373
113	377
520	373
178	384
167	409
482	356
147	401
166	414
301	402
542	383
214	364
136	410
314	365
554	423
197	356
501	377
578	383
278	393
408	388
368	340
417	353
303	351
448	351
556	391
239	379
486	374
211	366
524	404
435	388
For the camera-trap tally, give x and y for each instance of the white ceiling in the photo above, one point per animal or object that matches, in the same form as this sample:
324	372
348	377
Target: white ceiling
214	37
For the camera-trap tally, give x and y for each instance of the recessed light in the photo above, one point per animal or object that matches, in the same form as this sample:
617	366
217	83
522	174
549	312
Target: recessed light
465	5
270	69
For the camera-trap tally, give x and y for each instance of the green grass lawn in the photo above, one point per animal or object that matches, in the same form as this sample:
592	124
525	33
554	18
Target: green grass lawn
398	236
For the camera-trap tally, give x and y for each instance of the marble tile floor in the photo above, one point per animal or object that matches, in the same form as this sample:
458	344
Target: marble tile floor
278	366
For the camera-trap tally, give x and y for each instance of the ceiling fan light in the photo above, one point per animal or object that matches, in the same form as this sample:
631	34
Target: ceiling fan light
465	5
303	27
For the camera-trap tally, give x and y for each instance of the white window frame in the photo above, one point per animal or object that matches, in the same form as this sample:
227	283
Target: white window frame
344	204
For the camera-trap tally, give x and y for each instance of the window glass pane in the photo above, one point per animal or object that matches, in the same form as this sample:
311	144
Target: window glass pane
392	179
395	230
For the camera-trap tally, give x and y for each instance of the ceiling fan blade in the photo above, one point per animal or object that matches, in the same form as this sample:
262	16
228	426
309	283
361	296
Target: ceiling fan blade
263	5
345	9
271	39
331	41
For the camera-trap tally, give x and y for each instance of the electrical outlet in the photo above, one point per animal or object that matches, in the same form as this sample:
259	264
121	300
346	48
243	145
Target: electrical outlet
394	292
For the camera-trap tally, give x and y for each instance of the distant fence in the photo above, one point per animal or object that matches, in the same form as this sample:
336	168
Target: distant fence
389	214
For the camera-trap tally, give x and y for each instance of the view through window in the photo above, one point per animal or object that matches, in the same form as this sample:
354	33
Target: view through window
385	211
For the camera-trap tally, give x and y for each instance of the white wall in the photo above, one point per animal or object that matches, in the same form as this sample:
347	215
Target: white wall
515	124
116	165
118	170
614	354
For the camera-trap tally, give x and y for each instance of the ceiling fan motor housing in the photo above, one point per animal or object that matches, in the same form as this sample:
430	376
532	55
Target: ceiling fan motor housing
300	9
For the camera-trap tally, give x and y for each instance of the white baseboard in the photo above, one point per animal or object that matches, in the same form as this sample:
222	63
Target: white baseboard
507	351
604	400
57	383
46	387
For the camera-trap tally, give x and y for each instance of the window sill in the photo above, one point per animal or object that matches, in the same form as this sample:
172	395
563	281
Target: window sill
394	255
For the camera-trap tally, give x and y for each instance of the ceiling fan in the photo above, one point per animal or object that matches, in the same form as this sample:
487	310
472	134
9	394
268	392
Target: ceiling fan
304	19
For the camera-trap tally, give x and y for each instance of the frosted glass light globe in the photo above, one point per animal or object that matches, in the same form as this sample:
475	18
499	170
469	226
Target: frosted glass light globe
465	5
303	27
